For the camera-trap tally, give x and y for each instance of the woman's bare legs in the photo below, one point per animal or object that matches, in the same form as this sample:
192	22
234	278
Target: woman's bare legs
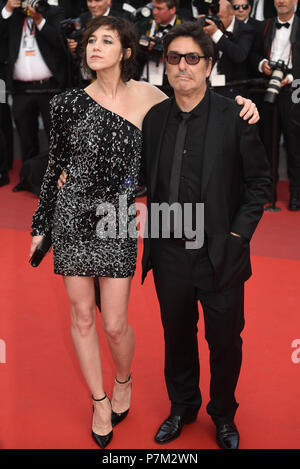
84	334
114	306
114	303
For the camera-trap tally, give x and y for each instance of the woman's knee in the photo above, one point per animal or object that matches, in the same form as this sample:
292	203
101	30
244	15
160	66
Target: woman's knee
83	318
115	330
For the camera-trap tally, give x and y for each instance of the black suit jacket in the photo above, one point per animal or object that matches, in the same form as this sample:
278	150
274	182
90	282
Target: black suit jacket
49	40
236	49
263	42
235	184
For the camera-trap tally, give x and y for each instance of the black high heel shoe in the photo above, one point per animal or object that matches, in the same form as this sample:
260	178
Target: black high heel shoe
115	416
102	440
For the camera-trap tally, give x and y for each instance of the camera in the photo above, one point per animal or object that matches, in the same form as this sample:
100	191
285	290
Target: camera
279	72
72	29
40	6
207	7
133	7
210	8
143	13
144	42
213	18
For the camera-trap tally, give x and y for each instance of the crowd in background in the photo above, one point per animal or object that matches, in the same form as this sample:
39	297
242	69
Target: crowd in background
40	55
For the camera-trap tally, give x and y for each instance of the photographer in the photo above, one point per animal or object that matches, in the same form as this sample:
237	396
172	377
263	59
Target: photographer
232	40
275	50
36	59
151	32
6	129
73	31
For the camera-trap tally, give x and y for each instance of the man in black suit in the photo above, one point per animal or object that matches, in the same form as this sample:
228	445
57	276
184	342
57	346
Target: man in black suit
232	41
197	149
37	58
280	40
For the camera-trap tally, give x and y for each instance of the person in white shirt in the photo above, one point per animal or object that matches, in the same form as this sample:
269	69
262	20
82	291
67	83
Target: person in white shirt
150	56
280	40
37	69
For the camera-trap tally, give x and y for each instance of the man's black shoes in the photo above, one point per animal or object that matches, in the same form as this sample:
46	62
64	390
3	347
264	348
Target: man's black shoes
227	436
172	426
294	203
19	187
4	179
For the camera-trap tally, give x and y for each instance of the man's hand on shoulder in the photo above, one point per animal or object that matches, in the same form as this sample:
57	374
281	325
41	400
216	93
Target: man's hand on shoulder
249	111
62	180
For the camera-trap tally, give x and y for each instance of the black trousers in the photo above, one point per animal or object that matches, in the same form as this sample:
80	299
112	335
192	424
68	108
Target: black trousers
182	277
6	138
287	122
27	106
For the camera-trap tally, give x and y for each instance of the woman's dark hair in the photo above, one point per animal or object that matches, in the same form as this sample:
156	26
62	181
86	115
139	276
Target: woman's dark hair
194	30
128	39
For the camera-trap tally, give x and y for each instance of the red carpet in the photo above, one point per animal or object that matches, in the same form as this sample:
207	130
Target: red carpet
44	400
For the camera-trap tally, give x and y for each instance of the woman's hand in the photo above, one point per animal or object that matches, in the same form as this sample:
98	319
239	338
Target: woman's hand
62	180
34	244
249	110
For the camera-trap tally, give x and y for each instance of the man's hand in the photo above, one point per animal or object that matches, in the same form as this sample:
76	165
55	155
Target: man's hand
285	81
211	28
235	234
249	111
72	45
37	17
11	5
265	67
62	180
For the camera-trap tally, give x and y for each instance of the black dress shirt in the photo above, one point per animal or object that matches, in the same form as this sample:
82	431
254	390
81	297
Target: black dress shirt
190	181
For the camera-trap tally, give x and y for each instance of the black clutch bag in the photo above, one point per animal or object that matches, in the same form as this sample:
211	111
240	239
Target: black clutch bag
41	250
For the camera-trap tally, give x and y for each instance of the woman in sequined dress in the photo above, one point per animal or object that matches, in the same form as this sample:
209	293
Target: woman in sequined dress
96	138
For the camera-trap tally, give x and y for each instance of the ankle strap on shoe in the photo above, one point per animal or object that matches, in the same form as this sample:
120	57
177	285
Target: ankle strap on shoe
98	400
123	382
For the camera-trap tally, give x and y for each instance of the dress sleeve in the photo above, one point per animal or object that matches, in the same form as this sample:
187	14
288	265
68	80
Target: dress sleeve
58	159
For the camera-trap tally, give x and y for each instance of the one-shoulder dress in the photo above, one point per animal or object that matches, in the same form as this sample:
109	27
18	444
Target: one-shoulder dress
101	154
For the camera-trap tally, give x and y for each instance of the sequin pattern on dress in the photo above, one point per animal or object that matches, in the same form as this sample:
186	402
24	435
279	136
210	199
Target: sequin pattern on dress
101	153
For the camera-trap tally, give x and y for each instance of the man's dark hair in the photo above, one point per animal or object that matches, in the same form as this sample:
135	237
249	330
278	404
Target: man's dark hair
170	3
194	30
128	39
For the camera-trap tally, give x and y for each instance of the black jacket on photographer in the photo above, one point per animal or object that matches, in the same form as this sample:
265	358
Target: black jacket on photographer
36	69
49	41
288	111
231	56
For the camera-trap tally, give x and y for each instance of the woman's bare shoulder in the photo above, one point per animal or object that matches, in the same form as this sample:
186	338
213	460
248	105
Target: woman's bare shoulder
151	94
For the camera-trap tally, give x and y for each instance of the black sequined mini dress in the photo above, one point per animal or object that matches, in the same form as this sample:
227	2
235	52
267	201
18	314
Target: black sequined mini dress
88	217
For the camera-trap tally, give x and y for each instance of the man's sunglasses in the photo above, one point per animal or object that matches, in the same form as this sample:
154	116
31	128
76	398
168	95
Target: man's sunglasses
245	6
191	58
